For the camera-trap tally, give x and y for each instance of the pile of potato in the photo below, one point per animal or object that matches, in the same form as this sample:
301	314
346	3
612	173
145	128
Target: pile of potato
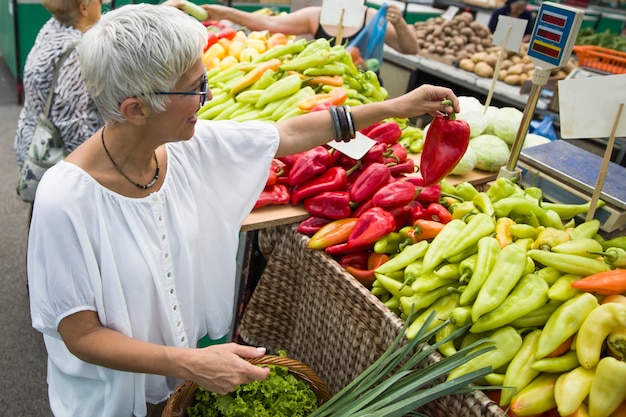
516	67
452	40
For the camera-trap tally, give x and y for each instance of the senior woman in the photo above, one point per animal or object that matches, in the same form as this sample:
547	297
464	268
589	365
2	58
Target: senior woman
132	246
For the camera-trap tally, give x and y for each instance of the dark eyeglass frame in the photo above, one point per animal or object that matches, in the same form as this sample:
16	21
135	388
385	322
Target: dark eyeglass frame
202	93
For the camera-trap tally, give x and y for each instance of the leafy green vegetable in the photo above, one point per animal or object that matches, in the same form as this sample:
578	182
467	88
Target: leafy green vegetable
491	152
280	395
606	39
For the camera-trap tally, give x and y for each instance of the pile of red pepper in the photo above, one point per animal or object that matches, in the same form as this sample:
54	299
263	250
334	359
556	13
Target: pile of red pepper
355	203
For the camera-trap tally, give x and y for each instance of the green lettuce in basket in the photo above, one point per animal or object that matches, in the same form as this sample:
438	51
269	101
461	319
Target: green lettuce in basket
280	395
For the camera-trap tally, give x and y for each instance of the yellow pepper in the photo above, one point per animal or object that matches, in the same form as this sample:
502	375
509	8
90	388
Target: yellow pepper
594	330
572	388
550	237
608	389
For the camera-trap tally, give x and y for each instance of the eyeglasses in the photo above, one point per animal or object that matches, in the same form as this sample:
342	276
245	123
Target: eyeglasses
202	93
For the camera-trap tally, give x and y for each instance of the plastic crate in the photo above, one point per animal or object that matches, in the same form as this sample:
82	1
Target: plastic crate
602	59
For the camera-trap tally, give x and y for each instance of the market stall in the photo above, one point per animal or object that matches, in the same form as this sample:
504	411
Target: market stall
514	253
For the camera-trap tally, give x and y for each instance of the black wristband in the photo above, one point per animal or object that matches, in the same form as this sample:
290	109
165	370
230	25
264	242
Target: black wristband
335	120
343	124
350	122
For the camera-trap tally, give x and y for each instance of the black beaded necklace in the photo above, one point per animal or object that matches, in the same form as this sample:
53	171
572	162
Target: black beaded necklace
136	184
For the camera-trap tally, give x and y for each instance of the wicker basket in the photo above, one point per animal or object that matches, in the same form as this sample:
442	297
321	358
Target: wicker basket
184	395
307	305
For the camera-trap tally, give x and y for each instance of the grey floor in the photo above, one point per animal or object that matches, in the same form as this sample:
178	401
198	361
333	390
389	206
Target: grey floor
23	390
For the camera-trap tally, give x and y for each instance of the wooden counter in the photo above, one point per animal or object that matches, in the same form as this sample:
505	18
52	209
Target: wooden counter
270	216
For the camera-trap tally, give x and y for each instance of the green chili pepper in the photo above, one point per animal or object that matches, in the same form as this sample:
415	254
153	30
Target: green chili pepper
564	322
465	190
447	348
420	301
461	210
503	188
461	256
292	48
549	274
607	388
569	264
572	388
412	271
393	304
519	372
439	245
407	256
526	244
616	257
467	267
284	87
505	274
442	307
562	289
447	187
530	293
523	231
507	343
567	211
494	379
522	205
484	204
537	318
461	316
389	243
582	247
477	227
586	229
558	364
616	242
396	288
535	193
488	251
537	397
331	68
290	103
431	281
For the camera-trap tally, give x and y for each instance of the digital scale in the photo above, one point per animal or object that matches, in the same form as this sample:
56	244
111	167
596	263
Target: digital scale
565	172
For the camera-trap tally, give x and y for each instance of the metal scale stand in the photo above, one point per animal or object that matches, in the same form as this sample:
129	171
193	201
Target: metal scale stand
565	172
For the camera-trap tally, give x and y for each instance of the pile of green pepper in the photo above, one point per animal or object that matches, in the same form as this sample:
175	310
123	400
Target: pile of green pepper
509	263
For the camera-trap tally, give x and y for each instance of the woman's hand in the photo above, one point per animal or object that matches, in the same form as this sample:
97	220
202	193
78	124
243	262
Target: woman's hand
394	15
220	368
425	99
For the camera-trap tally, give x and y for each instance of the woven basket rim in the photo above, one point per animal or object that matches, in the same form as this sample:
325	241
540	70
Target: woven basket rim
184	394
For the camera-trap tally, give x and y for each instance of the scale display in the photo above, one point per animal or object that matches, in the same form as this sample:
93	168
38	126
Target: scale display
554	34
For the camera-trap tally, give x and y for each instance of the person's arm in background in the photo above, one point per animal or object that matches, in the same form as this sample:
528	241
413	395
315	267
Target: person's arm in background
399	35
300	22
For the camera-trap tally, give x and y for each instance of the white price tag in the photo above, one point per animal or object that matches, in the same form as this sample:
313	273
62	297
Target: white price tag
587	106
352	13
514	40
356	148
450	13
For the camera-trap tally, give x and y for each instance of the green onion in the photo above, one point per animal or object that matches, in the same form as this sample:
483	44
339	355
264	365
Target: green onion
394	386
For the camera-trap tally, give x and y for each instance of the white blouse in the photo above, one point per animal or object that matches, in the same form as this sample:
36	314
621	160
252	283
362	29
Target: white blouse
160	269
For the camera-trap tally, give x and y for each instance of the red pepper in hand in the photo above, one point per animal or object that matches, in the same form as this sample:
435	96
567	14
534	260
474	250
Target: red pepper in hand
373	177
309	164
387	132
331	204
406	167
311	225
371	226
334	179
394	194
446	141
276	194
438	213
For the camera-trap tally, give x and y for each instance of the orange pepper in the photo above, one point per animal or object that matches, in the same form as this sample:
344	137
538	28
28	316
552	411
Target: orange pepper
254	74
332	233
335	97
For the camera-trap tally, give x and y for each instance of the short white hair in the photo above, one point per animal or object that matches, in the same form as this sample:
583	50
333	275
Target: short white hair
138	49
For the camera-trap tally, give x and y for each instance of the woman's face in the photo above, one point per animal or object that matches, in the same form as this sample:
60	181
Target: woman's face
179	118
